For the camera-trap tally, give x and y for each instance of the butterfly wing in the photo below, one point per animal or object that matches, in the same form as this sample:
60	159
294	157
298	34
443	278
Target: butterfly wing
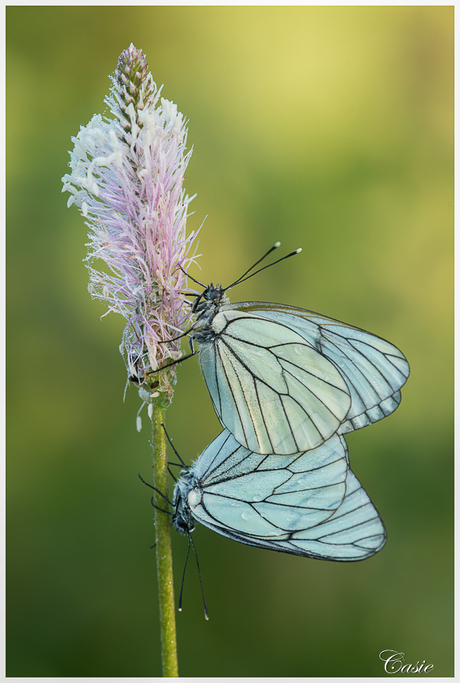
309	504
269	385
373	369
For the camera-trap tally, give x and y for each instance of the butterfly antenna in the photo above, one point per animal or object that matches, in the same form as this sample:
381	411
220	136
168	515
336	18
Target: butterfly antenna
275	246
206	613
172	446
243	279
183	576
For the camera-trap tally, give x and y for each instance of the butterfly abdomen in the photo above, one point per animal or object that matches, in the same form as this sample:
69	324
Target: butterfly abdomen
182	517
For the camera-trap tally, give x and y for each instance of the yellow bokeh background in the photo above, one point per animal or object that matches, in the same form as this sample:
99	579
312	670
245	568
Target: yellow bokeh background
329	128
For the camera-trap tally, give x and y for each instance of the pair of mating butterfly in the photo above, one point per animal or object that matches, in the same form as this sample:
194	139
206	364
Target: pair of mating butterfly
286	385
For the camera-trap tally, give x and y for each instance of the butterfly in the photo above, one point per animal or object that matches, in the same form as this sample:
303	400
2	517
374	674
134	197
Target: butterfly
308	504
282	379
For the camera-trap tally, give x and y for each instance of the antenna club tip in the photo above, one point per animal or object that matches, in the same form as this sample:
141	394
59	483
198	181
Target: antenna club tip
179	609
206	616
276	245
297	251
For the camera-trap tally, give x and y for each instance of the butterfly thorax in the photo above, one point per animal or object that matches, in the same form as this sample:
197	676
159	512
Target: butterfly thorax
207	305
182	517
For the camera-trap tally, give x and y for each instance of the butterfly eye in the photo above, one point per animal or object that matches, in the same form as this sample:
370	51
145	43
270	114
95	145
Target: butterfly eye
182	525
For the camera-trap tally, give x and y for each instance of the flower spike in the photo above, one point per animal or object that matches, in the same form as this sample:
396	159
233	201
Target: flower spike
126	177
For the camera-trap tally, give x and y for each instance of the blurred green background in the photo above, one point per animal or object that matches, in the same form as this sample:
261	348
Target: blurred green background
328	128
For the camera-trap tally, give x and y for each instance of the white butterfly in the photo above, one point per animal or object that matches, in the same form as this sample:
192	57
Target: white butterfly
308	504
284	380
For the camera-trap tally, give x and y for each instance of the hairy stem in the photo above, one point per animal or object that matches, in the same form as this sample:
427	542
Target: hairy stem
163	548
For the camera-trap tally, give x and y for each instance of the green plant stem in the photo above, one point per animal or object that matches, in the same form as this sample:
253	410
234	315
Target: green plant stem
163	548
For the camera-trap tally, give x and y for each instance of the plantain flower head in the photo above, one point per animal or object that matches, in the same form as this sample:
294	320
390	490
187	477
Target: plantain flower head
127	173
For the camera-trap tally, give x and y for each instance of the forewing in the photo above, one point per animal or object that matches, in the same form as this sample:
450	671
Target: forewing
270	387
223	457
309	504
269	495
373	369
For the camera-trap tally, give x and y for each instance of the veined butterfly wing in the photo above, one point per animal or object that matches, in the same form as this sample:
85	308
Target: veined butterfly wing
284	380
374	369
269	386
308	504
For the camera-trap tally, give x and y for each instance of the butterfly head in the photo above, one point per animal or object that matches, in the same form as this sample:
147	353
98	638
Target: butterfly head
210	299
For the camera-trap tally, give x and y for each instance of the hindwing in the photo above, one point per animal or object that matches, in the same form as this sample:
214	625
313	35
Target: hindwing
374	370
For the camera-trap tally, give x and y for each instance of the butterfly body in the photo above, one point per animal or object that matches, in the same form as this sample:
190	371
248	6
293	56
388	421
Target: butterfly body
308	504
182	516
